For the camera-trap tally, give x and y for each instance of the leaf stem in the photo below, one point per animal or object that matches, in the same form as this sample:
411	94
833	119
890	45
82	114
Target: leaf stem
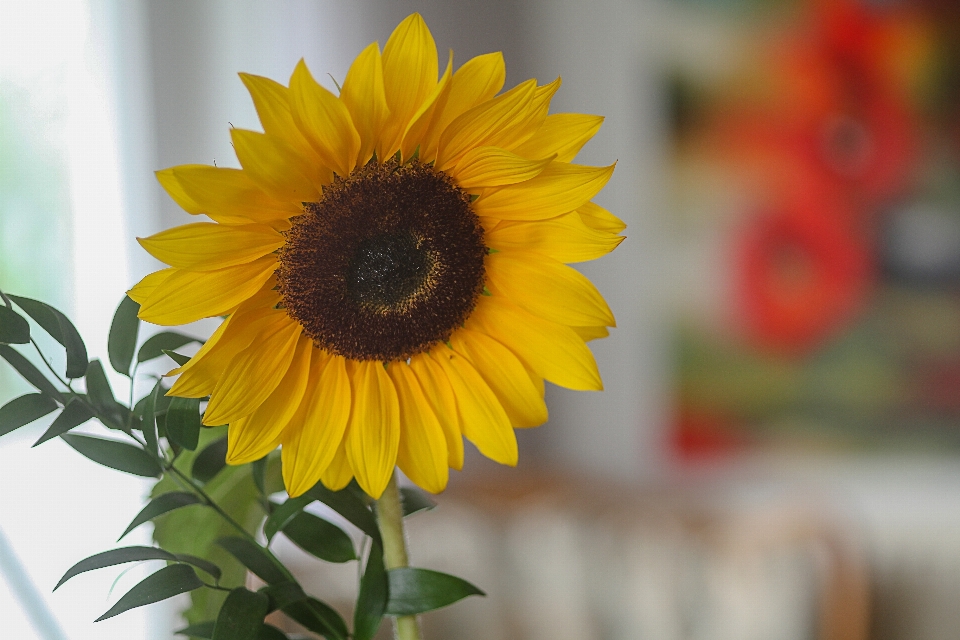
390	519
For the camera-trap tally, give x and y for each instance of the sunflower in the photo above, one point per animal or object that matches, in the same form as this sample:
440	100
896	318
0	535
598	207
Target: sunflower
390	265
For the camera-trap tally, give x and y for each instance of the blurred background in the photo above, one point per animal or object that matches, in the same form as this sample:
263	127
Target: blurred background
777	451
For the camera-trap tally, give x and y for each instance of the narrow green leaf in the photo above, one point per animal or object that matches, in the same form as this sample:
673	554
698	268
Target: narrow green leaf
414	501
270	632
73	415
319	538
372	598
160	505
210	460
60	329
241	615
114	557
148	420
116	455
14	328
309	612
284	513
176	357
255	558
183	422
204	565
29	372
24	410
122	340
414	591
259	471
350	507
166	583
155	345
201	630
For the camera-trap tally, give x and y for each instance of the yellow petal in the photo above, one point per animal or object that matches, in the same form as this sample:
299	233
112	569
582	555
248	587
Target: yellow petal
310	446
364	96
274	166
422	454
478	80
563	134
410	70
187	296
547	288
373	435
145	288
506	375
598	218
324	121
535	117
591	333
560	188
553	351
565	238
204	246
421	135
254	436
439	394
489	124
495	167
253	374
172	186
229	196
338	473
482	417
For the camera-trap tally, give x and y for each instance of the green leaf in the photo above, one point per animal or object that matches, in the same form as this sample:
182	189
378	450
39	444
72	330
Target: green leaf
210	460
319	538
200	563
270	632
284	513
255	558
24	410
350	507
183	422
29	372
60	329
166	583
176	357
160	505
14	328
414	591
116	455
200	630
115	557
111	414
73	415
372	598
414	501
148	423
309	612
163	341
241	615
122	340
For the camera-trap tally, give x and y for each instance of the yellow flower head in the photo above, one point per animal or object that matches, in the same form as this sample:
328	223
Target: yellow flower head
390	262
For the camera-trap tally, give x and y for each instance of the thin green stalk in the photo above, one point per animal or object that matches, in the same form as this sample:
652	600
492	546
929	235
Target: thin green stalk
390	519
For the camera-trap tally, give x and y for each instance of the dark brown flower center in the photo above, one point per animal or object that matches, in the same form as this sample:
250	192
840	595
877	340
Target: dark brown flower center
388	263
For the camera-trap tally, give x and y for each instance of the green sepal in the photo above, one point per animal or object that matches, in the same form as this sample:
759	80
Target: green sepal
165	583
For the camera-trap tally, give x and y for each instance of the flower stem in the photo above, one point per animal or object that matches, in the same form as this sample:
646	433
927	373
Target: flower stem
390	518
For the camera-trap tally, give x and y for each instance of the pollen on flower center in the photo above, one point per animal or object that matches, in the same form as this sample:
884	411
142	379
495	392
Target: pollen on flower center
388	263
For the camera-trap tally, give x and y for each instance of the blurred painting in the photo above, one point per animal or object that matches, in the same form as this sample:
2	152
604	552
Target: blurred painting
815	201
